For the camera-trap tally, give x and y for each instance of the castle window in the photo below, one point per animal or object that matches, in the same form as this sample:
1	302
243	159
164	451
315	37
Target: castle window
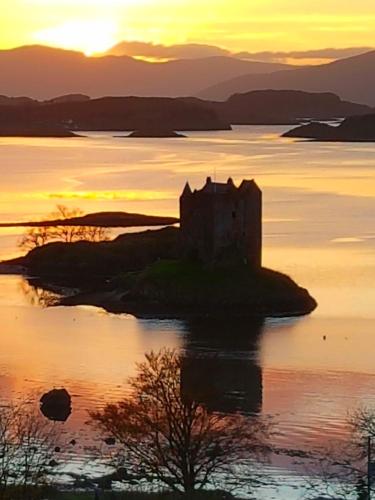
234	215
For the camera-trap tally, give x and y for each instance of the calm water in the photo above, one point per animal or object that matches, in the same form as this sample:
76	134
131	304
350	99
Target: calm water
319	202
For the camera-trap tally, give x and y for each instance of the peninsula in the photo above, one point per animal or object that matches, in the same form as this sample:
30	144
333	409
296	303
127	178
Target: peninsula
210	266
27	129
353	129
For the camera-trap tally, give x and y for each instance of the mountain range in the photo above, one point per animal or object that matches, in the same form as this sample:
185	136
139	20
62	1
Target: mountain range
42	73
352	79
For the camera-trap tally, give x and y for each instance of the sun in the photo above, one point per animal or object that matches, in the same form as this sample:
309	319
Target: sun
88	36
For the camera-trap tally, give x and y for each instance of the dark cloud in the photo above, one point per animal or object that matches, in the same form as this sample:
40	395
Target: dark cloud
158	51
330	54
196	51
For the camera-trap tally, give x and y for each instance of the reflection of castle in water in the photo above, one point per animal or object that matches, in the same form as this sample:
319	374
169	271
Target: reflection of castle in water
220	358
220	366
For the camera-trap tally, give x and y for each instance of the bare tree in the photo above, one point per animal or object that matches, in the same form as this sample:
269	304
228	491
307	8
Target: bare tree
35	237
39	236
27	447
68	234
167	437
341	469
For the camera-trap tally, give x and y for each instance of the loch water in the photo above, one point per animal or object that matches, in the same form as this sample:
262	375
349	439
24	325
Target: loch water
319	227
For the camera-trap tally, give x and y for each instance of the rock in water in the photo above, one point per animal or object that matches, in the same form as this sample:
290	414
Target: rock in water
155	133
56	405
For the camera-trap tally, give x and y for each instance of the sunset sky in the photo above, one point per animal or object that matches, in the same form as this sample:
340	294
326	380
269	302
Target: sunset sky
252	25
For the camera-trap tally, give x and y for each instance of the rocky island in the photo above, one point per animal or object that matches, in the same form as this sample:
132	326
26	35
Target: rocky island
157	132
210	266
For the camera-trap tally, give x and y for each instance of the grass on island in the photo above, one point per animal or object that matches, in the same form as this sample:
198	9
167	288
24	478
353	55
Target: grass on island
233	283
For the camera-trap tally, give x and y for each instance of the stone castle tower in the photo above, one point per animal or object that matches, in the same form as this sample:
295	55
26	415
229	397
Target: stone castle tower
222	222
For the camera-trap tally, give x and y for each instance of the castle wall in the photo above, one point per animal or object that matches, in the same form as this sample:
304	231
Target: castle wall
197	220
222	222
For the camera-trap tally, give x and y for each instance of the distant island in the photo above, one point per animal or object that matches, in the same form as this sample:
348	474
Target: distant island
119	114
207	267
100	219
151	117
353	129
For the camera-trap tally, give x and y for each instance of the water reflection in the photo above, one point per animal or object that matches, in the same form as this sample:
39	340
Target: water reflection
220	368
221	365
39	293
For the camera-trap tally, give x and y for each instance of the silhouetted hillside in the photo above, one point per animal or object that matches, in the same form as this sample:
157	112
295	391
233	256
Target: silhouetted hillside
352	79
285	106
68	98
16	101
61	72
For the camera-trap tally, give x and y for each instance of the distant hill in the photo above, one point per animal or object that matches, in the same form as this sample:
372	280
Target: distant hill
352	79
61	72
16	101
285	106
68	98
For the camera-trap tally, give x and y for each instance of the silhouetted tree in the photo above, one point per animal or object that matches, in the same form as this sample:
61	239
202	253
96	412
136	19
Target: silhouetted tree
38	236
35	237
167	437
342	467
27	446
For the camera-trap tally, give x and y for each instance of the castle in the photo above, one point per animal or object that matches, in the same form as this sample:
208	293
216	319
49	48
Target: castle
222	222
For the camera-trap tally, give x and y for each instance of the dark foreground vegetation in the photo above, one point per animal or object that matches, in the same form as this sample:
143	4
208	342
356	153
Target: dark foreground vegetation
50	493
